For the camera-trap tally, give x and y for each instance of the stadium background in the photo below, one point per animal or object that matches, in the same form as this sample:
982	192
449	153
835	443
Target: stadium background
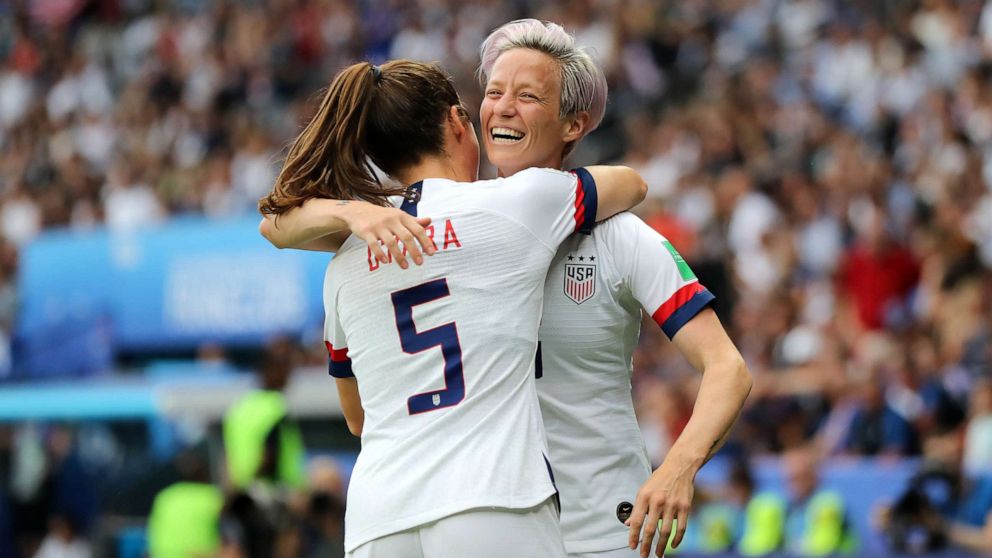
825	166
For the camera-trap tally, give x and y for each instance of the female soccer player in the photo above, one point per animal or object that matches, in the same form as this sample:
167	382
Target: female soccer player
535	75
452	461
540	88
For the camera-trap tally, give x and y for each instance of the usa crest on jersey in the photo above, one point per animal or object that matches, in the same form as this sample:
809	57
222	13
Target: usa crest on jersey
580	282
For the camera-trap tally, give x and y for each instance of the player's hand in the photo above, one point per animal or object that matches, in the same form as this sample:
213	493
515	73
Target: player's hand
663	499
387	227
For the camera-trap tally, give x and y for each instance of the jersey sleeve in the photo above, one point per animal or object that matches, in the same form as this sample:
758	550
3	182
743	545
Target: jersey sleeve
339	364
552	204
654	272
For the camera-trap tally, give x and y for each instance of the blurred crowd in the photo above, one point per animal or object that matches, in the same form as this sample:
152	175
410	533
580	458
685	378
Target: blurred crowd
245	488
824	165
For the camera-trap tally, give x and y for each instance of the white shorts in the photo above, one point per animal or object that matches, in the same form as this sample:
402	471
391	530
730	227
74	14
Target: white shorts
485	533
615	553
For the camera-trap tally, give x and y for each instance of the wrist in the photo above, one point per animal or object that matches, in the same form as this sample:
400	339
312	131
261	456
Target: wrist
332	215
691	459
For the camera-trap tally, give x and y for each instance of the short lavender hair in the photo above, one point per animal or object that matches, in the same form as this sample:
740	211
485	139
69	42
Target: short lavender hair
583	85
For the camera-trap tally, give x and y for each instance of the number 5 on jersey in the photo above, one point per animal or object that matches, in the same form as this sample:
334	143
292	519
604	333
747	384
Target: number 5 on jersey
444	336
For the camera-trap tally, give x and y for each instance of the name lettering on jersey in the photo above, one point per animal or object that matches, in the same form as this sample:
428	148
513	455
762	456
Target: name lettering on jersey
449	243
580	278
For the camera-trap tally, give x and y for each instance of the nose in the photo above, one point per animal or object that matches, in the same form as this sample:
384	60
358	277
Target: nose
505	106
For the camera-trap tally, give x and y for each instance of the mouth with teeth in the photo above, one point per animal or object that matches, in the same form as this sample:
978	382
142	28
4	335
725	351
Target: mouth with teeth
505	136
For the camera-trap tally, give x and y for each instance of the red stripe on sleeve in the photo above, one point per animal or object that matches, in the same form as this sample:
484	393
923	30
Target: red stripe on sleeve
337	355
580	206
675	302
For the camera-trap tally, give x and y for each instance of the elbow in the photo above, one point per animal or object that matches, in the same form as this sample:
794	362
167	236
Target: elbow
734	374
642	190
266	228
743	376
639	190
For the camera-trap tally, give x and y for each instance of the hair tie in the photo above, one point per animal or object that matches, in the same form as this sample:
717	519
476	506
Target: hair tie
376	74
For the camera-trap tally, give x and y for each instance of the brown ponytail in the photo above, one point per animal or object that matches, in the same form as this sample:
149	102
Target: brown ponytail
393	115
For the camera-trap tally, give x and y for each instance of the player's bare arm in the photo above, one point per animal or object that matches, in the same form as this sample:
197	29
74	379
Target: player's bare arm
667	494
619	189
323	225
351	404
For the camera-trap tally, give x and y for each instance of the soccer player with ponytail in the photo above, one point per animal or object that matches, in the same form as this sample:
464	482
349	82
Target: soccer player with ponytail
434	364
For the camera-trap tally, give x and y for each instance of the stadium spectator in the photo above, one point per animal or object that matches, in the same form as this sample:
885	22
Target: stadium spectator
64	540
977	459
973	530
185	517
812	521
876	428
262	443
323	527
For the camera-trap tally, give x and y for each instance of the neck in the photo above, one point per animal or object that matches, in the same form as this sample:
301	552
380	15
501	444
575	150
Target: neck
555	162
434	167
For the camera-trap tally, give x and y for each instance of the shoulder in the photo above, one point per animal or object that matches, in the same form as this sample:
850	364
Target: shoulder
537	175
531	192
541	172
625	221
351	244
625	227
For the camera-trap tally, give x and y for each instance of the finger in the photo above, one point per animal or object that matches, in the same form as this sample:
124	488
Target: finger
420	230
421	233
375	244
666	530
410	246
377	252
394	249
635	521
650	528
682	519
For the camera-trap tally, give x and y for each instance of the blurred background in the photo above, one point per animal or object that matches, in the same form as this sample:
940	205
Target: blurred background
825	166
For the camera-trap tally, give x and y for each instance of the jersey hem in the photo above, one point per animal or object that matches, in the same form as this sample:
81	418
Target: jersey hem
406	523
601	544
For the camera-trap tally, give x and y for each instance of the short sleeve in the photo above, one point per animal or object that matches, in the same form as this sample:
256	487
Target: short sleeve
339	364
552	204
655	273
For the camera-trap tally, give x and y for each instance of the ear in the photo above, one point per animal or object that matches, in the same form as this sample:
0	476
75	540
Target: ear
575	127
457	123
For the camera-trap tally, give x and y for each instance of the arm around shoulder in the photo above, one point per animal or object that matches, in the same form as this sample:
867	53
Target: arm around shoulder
324	225
301	226
618	189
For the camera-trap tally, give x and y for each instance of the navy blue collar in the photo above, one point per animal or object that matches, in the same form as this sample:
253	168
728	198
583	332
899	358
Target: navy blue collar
412	197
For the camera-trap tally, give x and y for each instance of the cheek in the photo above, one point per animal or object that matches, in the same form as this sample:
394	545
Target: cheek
541	125
485	110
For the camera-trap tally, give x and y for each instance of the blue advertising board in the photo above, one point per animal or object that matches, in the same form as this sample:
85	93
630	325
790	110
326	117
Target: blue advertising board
85	296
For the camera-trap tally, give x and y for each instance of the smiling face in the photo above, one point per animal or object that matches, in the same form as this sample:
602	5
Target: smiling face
520	113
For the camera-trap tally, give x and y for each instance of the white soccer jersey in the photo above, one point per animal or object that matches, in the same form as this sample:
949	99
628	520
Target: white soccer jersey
594	294
444	352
